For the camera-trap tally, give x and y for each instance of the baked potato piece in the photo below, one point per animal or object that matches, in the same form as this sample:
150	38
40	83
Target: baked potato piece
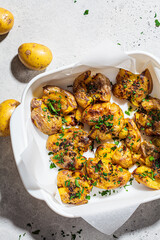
89	89
67	148
148	117
133	139
73	187
151	154
123	157
63	101
106	175
146	176
105	151
133	87
106	120
49	113
43	119
124	131
74	118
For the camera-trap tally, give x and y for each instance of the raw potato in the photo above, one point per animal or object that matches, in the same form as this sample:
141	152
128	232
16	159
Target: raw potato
147	176
6	21
6	109
35	56
73	187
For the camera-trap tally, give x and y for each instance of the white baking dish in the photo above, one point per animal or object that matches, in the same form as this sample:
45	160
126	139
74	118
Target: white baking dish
23	133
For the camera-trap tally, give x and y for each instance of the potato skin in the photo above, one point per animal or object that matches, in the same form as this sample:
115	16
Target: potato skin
6	109
6	21
35	56
147	177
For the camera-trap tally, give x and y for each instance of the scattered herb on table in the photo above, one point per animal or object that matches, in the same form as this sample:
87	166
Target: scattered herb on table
86	12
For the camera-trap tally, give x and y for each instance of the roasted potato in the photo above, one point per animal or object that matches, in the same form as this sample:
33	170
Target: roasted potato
63	101
43	119
106	175
133	87
74	118
48	113
146	176
35	56
151	154
6	109
148	116
73	187
6	21
89	89
106	120
123	157
67	148
117	155
133	139
106	151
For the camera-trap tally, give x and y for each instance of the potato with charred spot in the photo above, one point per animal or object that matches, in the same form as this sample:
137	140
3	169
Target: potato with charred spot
147	177
62	100
148	116
48	113
89	89
67	148
133	87
73	187
151	154
106	120
133	139
35	56
43	119
105	175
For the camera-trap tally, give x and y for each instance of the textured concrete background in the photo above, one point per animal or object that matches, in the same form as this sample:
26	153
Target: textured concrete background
61	25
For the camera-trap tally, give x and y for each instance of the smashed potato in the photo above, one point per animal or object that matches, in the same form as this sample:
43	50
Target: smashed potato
148	117
123	157
63	101
43	119
106	120
133	87
89	89
133	139
48	113
151	154
105	151
106	175
67	148
147	177
74	118
73	187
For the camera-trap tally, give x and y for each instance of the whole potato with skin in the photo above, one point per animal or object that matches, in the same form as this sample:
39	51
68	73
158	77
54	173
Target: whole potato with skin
6	21
35	56
6	109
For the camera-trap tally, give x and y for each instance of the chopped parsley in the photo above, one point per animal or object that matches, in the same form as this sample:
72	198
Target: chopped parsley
86	12
157	23
52	165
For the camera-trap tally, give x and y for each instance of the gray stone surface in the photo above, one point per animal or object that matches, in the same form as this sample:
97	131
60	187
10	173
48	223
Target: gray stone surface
62	26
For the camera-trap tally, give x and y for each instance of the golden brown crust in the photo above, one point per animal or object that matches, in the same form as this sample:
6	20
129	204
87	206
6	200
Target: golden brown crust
88	90
133	87
73	187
